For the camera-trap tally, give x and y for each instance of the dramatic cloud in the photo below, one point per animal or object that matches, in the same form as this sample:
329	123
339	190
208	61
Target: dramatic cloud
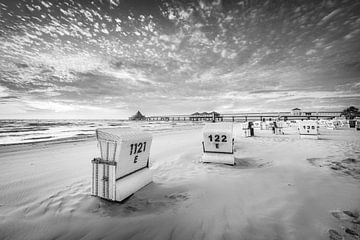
109	58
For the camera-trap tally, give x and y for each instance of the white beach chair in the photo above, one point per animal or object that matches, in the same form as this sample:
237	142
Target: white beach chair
218	144
330	125
124	164
308	129
278	128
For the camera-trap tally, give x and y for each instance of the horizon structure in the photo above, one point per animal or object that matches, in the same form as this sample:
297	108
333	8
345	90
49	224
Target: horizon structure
109	58
294	114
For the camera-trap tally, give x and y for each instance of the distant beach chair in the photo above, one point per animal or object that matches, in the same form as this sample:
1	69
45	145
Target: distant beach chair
257	124
330	125
248	128
308	129
278	128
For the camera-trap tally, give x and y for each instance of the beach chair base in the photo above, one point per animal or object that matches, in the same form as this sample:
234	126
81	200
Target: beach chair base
218	158
132	183
304	136
105	185
103	178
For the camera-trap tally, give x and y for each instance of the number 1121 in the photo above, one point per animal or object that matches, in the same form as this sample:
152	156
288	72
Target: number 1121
137	148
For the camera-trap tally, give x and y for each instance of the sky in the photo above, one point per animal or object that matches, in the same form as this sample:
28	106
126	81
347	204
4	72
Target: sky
110	58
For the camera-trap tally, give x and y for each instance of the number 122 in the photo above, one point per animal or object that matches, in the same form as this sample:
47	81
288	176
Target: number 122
217	138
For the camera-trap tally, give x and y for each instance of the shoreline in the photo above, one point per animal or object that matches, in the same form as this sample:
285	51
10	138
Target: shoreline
274	191
16	147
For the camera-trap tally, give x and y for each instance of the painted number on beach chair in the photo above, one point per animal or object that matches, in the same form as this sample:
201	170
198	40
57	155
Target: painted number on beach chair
217	138
137	148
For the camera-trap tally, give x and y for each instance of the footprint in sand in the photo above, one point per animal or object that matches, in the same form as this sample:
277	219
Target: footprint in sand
350	161
178	196
348	166
152	199
64	201
315	161
334	235
350	225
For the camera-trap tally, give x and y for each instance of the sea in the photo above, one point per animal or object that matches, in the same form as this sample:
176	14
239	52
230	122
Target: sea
23	131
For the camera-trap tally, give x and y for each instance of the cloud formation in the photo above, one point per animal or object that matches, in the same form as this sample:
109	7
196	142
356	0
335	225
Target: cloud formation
108	58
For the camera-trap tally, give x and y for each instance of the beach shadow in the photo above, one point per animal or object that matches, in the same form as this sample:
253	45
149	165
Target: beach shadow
323	139
77	200
244	163
240	163
151	199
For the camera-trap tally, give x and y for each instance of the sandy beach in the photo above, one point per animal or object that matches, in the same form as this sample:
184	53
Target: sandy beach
282	187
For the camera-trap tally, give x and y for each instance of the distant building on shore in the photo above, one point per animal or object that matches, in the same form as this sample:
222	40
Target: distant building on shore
207	116
137	117
296	112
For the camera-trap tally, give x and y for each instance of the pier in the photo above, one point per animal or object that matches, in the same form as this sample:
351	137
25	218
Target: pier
295	114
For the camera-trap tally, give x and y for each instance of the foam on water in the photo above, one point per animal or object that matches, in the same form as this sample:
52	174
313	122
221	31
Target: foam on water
32	131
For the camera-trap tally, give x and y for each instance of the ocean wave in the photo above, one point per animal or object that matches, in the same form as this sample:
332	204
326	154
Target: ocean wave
32	131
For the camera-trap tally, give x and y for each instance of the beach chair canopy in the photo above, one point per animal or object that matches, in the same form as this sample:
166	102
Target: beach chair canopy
121	134
129	148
